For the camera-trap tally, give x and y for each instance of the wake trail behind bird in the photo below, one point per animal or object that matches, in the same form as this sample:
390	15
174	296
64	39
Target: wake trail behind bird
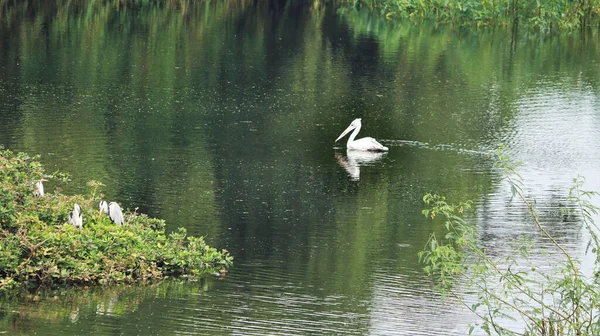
439	147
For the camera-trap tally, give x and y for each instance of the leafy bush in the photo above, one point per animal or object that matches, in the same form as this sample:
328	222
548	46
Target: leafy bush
38	247
558	300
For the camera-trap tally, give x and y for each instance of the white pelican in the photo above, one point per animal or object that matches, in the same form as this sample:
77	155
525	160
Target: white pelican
113	210
368	144
75	217
38	189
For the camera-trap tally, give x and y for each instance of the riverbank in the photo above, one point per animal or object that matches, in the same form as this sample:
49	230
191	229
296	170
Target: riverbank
563	15
38	247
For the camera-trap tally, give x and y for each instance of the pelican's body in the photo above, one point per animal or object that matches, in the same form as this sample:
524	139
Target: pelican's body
113	210
365	144
75	217
39	188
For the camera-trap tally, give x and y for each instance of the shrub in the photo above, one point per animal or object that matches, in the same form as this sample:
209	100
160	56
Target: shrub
38	246
556	300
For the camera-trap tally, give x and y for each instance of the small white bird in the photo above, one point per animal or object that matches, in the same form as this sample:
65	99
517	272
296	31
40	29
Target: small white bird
38	189
104	207
368	144
113	210
76	217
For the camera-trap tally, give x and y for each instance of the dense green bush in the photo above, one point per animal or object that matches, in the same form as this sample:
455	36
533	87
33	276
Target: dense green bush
38	247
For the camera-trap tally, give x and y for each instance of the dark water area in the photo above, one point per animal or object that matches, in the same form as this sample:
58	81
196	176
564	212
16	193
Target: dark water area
221	117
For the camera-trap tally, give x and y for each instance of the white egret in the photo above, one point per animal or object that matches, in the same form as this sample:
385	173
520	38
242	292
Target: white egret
113	210
104	207
75	217
38	190
367	144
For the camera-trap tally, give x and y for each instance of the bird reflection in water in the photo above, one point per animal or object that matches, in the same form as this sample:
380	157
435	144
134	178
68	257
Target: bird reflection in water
355	159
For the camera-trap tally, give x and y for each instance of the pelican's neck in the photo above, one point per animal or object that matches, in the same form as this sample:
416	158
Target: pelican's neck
353	135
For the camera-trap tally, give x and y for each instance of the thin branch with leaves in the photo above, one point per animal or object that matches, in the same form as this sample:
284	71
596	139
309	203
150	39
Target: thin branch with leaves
559	300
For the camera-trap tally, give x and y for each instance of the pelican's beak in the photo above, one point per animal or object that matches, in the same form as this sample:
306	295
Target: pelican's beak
350	128
43	180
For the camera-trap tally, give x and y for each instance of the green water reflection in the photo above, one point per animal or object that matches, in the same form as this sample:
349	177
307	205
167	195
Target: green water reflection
221	116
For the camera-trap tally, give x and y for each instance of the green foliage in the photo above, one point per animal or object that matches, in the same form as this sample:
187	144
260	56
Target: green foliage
38	247
559	300
547	14
442	258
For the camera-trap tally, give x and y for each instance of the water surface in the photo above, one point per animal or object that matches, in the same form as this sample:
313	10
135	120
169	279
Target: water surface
221	118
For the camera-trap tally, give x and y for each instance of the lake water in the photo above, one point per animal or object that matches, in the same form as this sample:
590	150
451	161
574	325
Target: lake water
222	118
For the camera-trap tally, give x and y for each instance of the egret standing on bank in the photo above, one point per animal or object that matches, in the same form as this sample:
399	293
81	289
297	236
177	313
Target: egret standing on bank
113	210
367	144
75	217
103	207
38	190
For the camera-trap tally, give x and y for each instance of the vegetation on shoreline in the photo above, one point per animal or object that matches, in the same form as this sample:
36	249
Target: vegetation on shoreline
548	14
565	15
38	246
559	298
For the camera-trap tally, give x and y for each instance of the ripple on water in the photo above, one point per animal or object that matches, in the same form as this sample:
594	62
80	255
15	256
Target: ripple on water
545	132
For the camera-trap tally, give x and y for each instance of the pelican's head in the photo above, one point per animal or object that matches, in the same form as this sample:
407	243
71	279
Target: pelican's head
354	124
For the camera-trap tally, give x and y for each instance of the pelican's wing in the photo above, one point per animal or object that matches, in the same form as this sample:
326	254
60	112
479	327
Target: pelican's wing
368	143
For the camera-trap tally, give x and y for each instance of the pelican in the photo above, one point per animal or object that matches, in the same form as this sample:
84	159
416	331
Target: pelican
367	144
75	217
113	210
39	188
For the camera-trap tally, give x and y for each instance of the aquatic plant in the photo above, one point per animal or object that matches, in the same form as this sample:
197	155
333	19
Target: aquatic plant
548	300
39	247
